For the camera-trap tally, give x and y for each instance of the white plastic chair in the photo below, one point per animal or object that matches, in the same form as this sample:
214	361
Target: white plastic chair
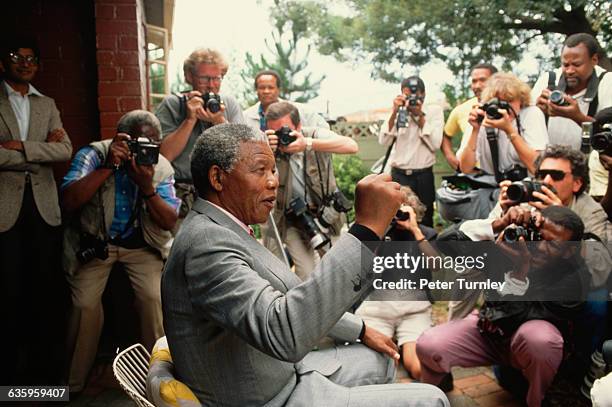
130	368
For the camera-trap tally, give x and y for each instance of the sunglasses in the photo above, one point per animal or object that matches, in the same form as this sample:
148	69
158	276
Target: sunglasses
556	175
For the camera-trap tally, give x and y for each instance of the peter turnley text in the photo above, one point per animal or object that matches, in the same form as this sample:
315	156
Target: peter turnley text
423	283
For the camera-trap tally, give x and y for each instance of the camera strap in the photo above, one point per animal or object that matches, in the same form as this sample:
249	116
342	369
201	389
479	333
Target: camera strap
595	101
492	139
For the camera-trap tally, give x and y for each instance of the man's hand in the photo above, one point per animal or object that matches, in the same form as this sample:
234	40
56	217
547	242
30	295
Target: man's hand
542	101
193	105
504	202
214	118
546	199
409	224
297	146
417	113
142	175
518	253
16	145
272	139
377	199
475	114
515	215
119	151
399	101
570	111
380	342
55	136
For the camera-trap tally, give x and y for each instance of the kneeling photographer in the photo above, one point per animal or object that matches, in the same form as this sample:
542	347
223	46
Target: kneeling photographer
123	204
507	132
309	207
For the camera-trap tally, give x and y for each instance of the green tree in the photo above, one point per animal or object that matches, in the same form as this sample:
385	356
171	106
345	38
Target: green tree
393	34
289	57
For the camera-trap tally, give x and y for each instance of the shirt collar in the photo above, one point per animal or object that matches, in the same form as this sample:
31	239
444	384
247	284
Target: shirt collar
244	226
31	90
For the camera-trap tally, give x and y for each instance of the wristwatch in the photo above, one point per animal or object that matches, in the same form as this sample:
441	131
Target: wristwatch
308	143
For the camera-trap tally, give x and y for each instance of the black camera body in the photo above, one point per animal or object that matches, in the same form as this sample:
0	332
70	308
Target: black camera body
284	136
299	212
530	233
522	191
212	102
602	140
402	215
492	107
558	98
144	152
91	247
333	205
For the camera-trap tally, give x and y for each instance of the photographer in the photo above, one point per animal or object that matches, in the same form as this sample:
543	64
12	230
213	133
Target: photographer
415	130
307	188
507	132
184	117
581	89
528	335
125	206
600	160
409	317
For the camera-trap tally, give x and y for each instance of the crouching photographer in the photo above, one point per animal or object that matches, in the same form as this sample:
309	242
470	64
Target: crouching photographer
520	325
309	208
123	204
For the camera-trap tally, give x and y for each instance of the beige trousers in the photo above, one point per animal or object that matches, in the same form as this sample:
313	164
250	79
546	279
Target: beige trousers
144	268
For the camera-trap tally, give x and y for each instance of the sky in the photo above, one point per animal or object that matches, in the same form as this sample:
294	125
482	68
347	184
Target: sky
234	27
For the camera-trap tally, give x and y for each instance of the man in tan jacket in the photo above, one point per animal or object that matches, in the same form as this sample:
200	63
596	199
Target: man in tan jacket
31	139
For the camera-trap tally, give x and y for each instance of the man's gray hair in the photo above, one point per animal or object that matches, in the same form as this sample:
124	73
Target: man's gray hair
135	118
219	145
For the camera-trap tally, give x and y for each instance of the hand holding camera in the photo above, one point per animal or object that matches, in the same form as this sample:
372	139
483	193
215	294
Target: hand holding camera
516	215
561	104
207	107
119	151
406	219
290	141
497	115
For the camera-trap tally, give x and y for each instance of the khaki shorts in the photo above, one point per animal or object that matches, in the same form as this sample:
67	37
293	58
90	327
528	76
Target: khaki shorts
404	320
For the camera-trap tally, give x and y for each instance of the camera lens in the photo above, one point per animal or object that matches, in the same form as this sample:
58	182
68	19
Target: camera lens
517	191
557	97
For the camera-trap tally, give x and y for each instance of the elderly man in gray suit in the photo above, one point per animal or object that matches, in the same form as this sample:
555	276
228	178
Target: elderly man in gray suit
31	139
241	327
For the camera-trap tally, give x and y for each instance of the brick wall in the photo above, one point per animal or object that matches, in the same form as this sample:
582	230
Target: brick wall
64	31
120	54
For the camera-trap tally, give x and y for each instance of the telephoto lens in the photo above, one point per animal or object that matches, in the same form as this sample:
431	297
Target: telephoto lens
558	98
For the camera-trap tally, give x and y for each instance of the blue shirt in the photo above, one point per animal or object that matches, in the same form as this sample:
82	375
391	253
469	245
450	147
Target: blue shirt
87	161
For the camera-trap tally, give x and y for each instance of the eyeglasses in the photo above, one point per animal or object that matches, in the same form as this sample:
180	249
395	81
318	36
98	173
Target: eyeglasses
556	175
20	59
209	79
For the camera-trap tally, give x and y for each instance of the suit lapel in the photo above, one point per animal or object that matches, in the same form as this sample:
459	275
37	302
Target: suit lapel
7	114
34	129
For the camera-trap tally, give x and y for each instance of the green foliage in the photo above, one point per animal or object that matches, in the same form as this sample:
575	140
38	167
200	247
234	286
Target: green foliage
349	169
289	57
394	34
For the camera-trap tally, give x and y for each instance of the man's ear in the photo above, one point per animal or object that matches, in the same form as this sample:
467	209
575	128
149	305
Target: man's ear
577	184
595	59
215	177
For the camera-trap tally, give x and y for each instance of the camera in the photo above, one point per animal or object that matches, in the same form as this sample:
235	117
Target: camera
492	107
522	191
212	102
284	136
558	98
333	205
144	151
91	247
298	211
602	140
402	117
401	215
530	233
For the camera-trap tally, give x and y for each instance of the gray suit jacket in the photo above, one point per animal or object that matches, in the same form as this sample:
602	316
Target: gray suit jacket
240	325
36	160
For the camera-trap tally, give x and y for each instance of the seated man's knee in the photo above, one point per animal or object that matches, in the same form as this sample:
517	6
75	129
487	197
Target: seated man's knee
538	338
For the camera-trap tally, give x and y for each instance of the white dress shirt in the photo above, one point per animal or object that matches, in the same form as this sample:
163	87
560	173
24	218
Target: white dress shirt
21	107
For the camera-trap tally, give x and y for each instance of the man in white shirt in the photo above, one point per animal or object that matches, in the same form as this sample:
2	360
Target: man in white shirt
415	130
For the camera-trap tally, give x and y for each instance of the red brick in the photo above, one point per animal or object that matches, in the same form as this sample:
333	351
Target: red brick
109	119
116	1
108	104
127	104
127	58
472	381
107	73
106	42
127	12
128	43
131	88
105	12
105	57
117	27
130	73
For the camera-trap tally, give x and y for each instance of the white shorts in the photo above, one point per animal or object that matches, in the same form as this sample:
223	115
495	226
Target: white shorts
404	320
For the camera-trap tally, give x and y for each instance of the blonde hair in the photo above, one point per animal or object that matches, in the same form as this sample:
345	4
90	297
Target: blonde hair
508	87
204	56
411	199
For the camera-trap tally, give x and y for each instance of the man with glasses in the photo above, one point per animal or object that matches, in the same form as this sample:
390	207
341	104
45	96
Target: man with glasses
184	117
32	138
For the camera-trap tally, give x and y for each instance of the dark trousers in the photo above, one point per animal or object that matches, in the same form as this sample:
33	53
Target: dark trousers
422	183
33	300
